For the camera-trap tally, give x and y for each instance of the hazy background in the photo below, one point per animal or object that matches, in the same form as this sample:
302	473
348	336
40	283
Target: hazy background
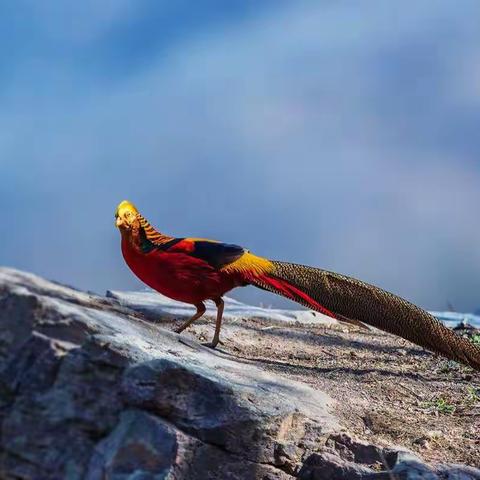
341	134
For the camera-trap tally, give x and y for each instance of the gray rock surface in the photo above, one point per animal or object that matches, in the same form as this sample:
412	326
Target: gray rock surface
91	390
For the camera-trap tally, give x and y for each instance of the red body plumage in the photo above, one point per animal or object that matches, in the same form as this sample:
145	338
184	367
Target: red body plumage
178	275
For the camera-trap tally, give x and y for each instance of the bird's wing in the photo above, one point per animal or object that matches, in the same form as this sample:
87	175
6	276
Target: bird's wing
216	254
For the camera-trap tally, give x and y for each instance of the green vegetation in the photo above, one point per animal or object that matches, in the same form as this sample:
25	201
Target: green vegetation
473	395
440	405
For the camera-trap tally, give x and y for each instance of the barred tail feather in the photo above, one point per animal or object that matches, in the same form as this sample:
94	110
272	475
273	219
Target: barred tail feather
346	298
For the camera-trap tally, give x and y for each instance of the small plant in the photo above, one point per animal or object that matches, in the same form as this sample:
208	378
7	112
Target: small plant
473	395
449	366
444	407
476	339
440	405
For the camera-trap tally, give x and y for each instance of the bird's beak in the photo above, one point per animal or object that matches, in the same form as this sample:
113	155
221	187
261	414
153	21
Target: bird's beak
118	222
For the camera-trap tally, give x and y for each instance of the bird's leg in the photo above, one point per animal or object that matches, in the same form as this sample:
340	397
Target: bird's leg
216	337
200	311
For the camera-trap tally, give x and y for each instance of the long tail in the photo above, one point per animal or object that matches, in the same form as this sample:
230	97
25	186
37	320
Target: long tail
348	299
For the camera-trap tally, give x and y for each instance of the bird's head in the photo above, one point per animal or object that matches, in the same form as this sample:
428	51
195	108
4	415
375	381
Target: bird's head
126	217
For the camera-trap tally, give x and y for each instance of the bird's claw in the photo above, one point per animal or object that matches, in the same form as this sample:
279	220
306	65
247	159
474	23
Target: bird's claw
210	344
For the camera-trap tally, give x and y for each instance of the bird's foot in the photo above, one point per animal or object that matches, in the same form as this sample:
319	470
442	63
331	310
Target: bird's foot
178	330
210	344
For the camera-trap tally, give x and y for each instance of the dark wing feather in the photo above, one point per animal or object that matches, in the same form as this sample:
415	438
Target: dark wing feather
218	255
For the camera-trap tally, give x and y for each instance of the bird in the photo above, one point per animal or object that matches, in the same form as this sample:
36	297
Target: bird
194	270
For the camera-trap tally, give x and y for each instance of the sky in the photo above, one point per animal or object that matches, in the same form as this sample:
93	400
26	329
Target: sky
338	134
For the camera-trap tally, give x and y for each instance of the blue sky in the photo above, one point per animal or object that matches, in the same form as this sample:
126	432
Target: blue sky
337	134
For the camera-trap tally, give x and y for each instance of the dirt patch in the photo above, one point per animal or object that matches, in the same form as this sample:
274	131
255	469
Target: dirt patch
388	391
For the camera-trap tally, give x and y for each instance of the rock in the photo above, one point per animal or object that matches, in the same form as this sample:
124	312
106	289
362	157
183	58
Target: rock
458	472
145	440
84	380
326	465
350	459
355	450
89	389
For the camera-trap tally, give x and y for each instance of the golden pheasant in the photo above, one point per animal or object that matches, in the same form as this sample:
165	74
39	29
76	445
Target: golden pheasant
193	270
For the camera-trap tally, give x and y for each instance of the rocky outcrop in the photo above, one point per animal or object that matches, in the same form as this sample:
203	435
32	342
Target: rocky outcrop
89	389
